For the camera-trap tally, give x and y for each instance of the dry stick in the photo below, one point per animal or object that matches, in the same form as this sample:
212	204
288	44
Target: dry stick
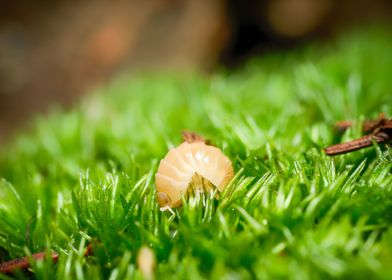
89	250
363	142
24	263
192	137
382	133
367	126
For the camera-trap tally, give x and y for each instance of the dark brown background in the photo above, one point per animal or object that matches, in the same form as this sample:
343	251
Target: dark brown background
51	52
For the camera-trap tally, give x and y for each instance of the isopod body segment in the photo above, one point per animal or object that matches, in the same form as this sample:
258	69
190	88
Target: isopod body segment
181	164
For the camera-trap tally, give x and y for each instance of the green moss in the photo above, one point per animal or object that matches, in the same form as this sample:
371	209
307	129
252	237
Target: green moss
88	175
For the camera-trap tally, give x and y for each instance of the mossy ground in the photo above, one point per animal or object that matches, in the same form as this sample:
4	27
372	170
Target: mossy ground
87	175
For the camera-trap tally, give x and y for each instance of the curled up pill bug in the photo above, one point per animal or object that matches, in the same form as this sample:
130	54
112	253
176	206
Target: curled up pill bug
193	163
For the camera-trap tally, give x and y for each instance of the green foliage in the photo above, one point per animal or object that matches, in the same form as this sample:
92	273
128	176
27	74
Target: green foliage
87	176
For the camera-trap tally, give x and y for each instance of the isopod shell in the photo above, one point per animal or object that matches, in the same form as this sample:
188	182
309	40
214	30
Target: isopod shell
176	170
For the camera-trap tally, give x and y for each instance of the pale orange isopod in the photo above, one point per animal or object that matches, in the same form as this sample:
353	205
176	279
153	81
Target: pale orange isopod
187	163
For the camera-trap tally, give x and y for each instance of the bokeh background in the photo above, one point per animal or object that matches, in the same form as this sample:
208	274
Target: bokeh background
53	52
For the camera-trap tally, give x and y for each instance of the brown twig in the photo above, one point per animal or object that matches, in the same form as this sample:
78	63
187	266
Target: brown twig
381	132
367	126
23	263
192	137
363	142
89	250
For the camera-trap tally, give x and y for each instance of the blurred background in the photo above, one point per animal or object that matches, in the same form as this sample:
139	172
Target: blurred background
52	52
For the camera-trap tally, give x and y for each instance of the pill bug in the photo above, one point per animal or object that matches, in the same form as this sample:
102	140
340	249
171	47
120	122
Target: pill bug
186	164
